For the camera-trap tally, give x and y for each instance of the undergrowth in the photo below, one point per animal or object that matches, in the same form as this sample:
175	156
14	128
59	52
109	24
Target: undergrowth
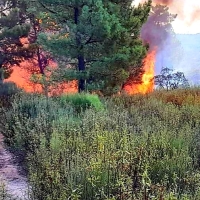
4	194
138	147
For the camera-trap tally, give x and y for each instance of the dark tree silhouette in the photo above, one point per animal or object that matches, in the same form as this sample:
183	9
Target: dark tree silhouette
169	80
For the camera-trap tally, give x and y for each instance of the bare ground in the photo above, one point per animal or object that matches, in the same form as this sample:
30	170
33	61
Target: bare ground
15	182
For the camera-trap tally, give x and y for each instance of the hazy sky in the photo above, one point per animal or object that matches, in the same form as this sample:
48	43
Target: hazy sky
187	22
188	19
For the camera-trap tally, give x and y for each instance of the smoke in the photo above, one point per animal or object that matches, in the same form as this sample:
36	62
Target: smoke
194	17
188	14
164	2
158	29
183	54
159	34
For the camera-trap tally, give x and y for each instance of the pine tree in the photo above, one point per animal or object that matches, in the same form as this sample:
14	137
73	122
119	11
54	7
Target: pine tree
13	26
98	39
39	55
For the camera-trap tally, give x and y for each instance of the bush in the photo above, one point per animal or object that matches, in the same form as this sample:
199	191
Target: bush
137	147
7	90
30	117
179	97
146	150
82	101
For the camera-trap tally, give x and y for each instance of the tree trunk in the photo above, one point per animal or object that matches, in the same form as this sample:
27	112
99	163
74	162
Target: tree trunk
81	68
36	30
81	61
40	61
1	75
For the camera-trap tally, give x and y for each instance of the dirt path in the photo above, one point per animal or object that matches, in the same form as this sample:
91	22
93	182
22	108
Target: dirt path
9	172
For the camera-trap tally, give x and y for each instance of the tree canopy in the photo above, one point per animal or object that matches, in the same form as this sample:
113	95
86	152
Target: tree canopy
98	41
13	26
169	80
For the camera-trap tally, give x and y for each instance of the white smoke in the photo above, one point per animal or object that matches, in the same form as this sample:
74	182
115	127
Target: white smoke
186	26
188	18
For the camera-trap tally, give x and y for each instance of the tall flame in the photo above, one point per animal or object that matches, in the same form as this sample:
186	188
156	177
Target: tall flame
147	84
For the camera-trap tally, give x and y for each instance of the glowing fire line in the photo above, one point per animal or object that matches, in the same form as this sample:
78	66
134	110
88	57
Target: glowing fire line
147	84
21	76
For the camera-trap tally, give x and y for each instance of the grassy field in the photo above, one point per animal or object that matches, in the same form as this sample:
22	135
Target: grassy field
138	147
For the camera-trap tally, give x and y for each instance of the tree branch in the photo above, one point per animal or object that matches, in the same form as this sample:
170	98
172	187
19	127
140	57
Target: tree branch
48	9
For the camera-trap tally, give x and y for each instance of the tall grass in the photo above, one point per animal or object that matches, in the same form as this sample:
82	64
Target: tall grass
4	195
139	147
82	101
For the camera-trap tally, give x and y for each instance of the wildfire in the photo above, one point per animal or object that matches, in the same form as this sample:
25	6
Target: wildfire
22	75
147	84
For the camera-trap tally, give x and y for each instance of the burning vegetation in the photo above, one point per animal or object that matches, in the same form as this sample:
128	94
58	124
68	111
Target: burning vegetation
147	84
30	80
155	32
86	146
109	53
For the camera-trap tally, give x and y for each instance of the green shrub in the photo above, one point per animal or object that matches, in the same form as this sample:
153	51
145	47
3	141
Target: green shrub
31	117
137	147
82	101
7	91
142	148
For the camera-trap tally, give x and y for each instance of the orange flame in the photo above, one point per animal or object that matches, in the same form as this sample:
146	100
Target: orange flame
147	84
22	77
22	74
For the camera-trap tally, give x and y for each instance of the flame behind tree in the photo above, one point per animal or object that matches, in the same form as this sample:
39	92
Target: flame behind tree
29	80
32	75
33	67
103	41
93	46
